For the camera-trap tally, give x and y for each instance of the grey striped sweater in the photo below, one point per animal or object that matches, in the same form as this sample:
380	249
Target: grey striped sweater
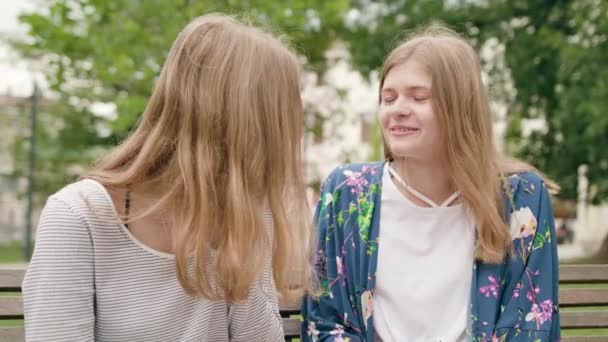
91	280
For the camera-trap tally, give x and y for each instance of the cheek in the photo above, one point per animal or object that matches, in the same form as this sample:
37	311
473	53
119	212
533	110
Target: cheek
383	118
428	117
433	128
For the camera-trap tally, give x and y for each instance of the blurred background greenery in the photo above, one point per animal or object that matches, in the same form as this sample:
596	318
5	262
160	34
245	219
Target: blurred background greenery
543	62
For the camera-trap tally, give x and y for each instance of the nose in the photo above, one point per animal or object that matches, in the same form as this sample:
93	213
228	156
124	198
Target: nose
401	107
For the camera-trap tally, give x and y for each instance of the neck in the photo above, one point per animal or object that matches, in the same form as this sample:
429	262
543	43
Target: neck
429	178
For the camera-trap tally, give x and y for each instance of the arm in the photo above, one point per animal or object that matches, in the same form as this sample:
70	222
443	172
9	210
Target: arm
58	288
258	318
327	317
531	307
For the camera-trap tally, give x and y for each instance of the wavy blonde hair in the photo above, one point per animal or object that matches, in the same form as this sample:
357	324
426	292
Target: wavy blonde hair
221	137
460	101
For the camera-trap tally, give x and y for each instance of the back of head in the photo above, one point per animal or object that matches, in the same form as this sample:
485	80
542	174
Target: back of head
461	104
221	136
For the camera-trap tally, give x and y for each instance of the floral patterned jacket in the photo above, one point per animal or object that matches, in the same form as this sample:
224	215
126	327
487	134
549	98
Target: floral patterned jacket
512	301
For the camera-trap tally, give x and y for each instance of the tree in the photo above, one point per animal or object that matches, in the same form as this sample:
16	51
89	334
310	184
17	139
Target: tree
97	51
554	70
554	55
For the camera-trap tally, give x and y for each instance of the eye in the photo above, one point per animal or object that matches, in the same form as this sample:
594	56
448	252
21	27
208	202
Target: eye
421	96
389	99
388	95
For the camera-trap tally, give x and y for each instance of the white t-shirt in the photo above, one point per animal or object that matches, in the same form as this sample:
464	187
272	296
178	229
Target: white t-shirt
425	265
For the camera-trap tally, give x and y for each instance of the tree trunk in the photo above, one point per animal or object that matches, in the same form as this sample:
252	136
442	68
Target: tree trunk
602	254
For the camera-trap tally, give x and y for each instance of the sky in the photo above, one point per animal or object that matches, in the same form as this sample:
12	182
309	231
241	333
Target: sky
16	77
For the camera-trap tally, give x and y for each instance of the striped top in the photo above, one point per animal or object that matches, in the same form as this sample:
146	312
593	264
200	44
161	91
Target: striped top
91	280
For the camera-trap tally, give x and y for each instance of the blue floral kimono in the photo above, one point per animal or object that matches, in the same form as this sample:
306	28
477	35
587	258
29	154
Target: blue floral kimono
512	301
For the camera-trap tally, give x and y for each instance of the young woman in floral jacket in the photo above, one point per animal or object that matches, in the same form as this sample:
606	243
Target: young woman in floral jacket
446	240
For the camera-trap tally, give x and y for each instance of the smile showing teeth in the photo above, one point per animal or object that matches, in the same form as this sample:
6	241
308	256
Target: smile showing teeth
403	131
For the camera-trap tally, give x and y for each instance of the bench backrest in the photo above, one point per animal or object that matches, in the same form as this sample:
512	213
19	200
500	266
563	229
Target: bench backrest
583	288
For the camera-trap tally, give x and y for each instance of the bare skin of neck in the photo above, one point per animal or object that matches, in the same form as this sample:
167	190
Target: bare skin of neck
428	177
152	230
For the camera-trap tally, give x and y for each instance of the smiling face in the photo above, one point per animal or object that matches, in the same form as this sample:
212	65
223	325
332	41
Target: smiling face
409	124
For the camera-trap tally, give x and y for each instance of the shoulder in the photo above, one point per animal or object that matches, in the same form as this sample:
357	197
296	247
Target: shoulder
83	200
353	174
529	204
525	178
526	188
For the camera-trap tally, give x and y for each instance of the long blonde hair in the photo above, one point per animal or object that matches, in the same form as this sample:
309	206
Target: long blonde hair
461	103
221	134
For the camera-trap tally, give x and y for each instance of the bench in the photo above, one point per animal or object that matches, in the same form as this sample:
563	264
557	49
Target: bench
583	288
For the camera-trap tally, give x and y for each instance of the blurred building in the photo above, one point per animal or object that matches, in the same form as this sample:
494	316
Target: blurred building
14	115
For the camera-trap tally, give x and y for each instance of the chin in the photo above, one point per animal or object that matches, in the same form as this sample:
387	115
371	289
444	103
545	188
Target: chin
402	153
402	150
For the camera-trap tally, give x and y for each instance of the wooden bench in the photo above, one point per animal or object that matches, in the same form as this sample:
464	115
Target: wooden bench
584	288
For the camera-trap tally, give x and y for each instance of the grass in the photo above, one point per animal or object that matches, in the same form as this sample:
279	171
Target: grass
11	323
11	253
584	332
596	259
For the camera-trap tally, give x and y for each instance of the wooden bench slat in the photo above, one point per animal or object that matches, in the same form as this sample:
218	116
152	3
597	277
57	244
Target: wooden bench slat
10	280
16	334
290	309
291	327
583	297
584	339
584	319
12	334
11	308
577	274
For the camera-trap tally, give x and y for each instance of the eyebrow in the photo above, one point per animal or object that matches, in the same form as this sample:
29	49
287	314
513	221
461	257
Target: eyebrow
408	88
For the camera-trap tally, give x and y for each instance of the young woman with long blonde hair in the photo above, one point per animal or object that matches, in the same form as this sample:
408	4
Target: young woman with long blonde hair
446	240
194	226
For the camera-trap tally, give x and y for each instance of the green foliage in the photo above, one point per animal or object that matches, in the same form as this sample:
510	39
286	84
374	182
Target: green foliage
112	51
97	51
555	55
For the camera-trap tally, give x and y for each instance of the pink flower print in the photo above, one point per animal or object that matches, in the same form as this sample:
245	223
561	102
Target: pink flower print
340	265
341	271
339	330
342	339
530	296
547	307
517	289
365	168
540	314
491	289
355	180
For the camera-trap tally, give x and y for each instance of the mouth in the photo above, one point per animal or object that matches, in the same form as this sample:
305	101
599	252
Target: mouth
403	130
